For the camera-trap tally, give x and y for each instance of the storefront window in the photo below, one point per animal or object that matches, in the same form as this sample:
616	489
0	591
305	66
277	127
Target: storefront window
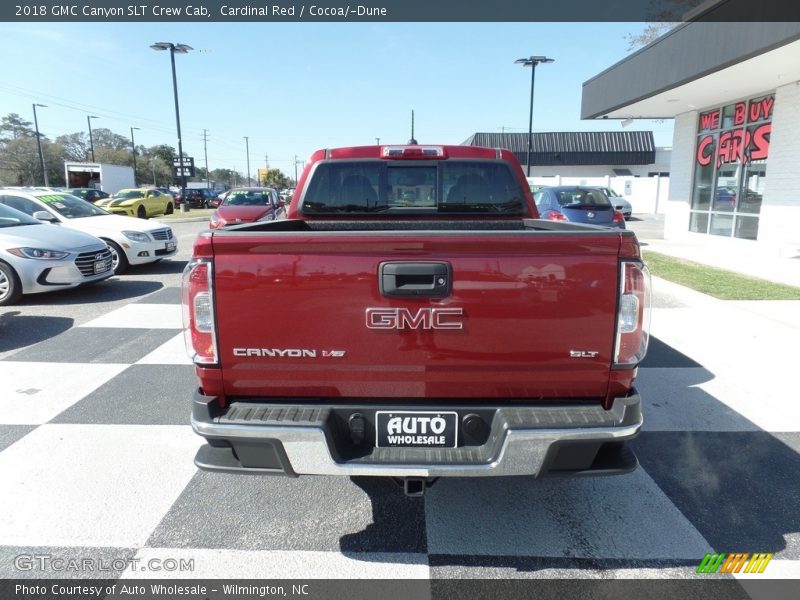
731	167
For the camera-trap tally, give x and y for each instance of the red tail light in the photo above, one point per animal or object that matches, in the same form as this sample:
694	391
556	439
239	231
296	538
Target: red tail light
199	329
618	217
554	215
633	317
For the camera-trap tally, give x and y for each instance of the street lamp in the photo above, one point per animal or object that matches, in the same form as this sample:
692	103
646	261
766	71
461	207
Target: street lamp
91	140
39	144
180	49
531	62
247	145
133	148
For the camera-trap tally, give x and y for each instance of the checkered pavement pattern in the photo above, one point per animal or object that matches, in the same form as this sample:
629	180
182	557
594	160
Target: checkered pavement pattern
96	461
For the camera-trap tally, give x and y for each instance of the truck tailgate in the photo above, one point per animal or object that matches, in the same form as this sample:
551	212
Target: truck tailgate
537	315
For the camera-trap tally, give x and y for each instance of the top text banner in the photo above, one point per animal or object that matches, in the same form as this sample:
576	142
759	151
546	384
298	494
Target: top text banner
399	10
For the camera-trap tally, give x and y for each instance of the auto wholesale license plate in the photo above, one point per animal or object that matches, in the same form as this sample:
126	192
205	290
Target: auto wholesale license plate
409	429
170	246
101	266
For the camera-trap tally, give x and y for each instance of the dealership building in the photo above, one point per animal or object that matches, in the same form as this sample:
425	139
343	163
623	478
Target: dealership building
733	90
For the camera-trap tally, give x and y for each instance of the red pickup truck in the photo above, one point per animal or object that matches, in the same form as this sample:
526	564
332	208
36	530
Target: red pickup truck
413	318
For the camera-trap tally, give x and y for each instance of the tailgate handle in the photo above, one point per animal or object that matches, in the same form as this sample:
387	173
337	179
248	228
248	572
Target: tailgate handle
403	279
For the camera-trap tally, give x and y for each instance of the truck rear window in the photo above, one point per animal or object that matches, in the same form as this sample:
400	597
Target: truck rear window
410	187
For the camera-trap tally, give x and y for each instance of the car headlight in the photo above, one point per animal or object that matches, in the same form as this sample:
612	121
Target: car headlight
136	236
38	253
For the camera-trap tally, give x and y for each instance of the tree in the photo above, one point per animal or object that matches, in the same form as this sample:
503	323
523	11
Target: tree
274	178
75	146
665	16
13	127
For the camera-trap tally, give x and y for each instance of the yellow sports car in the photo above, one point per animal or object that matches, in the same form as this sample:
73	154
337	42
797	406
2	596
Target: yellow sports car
142	203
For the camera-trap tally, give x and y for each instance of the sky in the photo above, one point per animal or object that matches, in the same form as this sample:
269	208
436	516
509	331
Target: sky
293	88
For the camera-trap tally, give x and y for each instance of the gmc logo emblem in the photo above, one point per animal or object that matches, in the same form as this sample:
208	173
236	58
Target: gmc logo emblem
423	318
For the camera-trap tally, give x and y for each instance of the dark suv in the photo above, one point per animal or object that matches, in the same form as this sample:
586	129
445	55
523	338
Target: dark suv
198	198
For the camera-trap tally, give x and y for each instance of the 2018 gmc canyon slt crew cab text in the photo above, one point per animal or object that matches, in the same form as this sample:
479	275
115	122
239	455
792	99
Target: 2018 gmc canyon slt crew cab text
414	318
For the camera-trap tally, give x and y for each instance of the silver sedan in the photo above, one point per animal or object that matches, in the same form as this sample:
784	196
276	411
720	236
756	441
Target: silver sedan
35	257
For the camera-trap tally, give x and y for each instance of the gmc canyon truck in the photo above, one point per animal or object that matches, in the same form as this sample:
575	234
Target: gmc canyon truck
414	318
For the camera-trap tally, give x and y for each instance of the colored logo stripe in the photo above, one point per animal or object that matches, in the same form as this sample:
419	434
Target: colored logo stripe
733	563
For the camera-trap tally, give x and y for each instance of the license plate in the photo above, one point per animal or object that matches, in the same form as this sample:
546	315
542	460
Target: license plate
170	246
101	266
411	429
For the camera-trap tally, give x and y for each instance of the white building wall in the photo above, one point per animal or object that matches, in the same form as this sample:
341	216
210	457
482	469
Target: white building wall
647	195
779	226
676	221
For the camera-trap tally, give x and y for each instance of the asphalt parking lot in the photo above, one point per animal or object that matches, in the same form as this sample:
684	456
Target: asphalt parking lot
96	459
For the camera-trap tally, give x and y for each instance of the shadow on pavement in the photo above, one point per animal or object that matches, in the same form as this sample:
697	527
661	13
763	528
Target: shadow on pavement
398	522
160	268
18	331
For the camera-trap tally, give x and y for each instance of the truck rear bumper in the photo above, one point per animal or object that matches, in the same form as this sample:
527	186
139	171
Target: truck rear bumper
543	439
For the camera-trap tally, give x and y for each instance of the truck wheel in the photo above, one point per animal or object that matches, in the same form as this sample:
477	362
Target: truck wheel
10	286
119	262
169	209
141	213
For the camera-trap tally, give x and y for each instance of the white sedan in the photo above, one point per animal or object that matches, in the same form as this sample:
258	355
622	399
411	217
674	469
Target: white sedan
35	257
131	241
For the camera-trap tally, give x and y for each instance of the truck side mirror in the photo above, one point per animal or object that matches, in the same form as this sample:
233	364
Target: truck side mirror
43	215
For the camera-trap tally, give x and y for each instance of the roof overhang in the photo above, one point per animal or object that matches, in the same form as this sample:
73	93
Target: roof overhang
696	66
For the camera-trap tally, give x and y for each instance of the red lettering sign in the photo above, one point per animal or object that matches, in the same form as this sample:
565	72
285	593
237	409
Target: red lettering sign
761	137
761	109
704	151
709	120
731	146
739	113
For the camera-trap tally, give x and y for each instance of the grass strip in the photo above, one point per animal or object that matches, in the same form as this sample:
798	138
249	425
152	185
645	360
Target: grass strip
719	283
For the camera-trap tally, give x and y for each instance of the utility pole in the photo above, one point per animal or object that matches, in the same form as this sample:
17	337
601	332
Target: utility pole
205	153
39	144
133	149
377	141
247	145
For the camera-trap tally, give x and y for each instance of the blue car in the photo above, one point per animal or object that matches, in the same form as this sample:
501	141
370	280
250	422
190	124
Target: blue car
578	204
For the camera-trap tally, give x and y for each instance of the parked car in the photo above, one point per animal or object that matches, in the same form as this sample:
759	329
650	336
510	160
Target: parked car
131	241
196	198
579	205
219	199
88	194
36	258
245	205
619	202
139	202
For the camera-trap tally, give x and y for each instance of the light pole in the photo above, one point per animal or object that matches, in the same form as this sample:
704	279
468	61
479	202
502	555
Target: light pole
39	144
133	148
247	145
531	62
91	139
180	49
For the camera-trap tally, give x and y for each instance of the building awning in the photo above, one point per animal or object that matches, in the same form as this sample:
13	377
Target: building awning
693	67
574	147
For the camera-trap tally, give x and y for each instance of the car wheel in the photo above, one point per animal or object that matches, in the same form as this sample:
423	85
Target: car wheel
10	286
119	262
169	209
141	212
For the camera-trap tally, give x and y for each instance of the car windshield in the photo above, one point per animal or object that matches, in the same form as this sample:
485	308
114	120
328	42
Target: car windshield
246	198
128	195
447	186
580	198
10	217
70	206
611	193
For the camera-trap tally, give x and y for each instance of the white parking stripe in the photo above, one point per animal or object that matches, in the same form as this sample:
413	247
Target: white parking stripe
141	316
34	392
